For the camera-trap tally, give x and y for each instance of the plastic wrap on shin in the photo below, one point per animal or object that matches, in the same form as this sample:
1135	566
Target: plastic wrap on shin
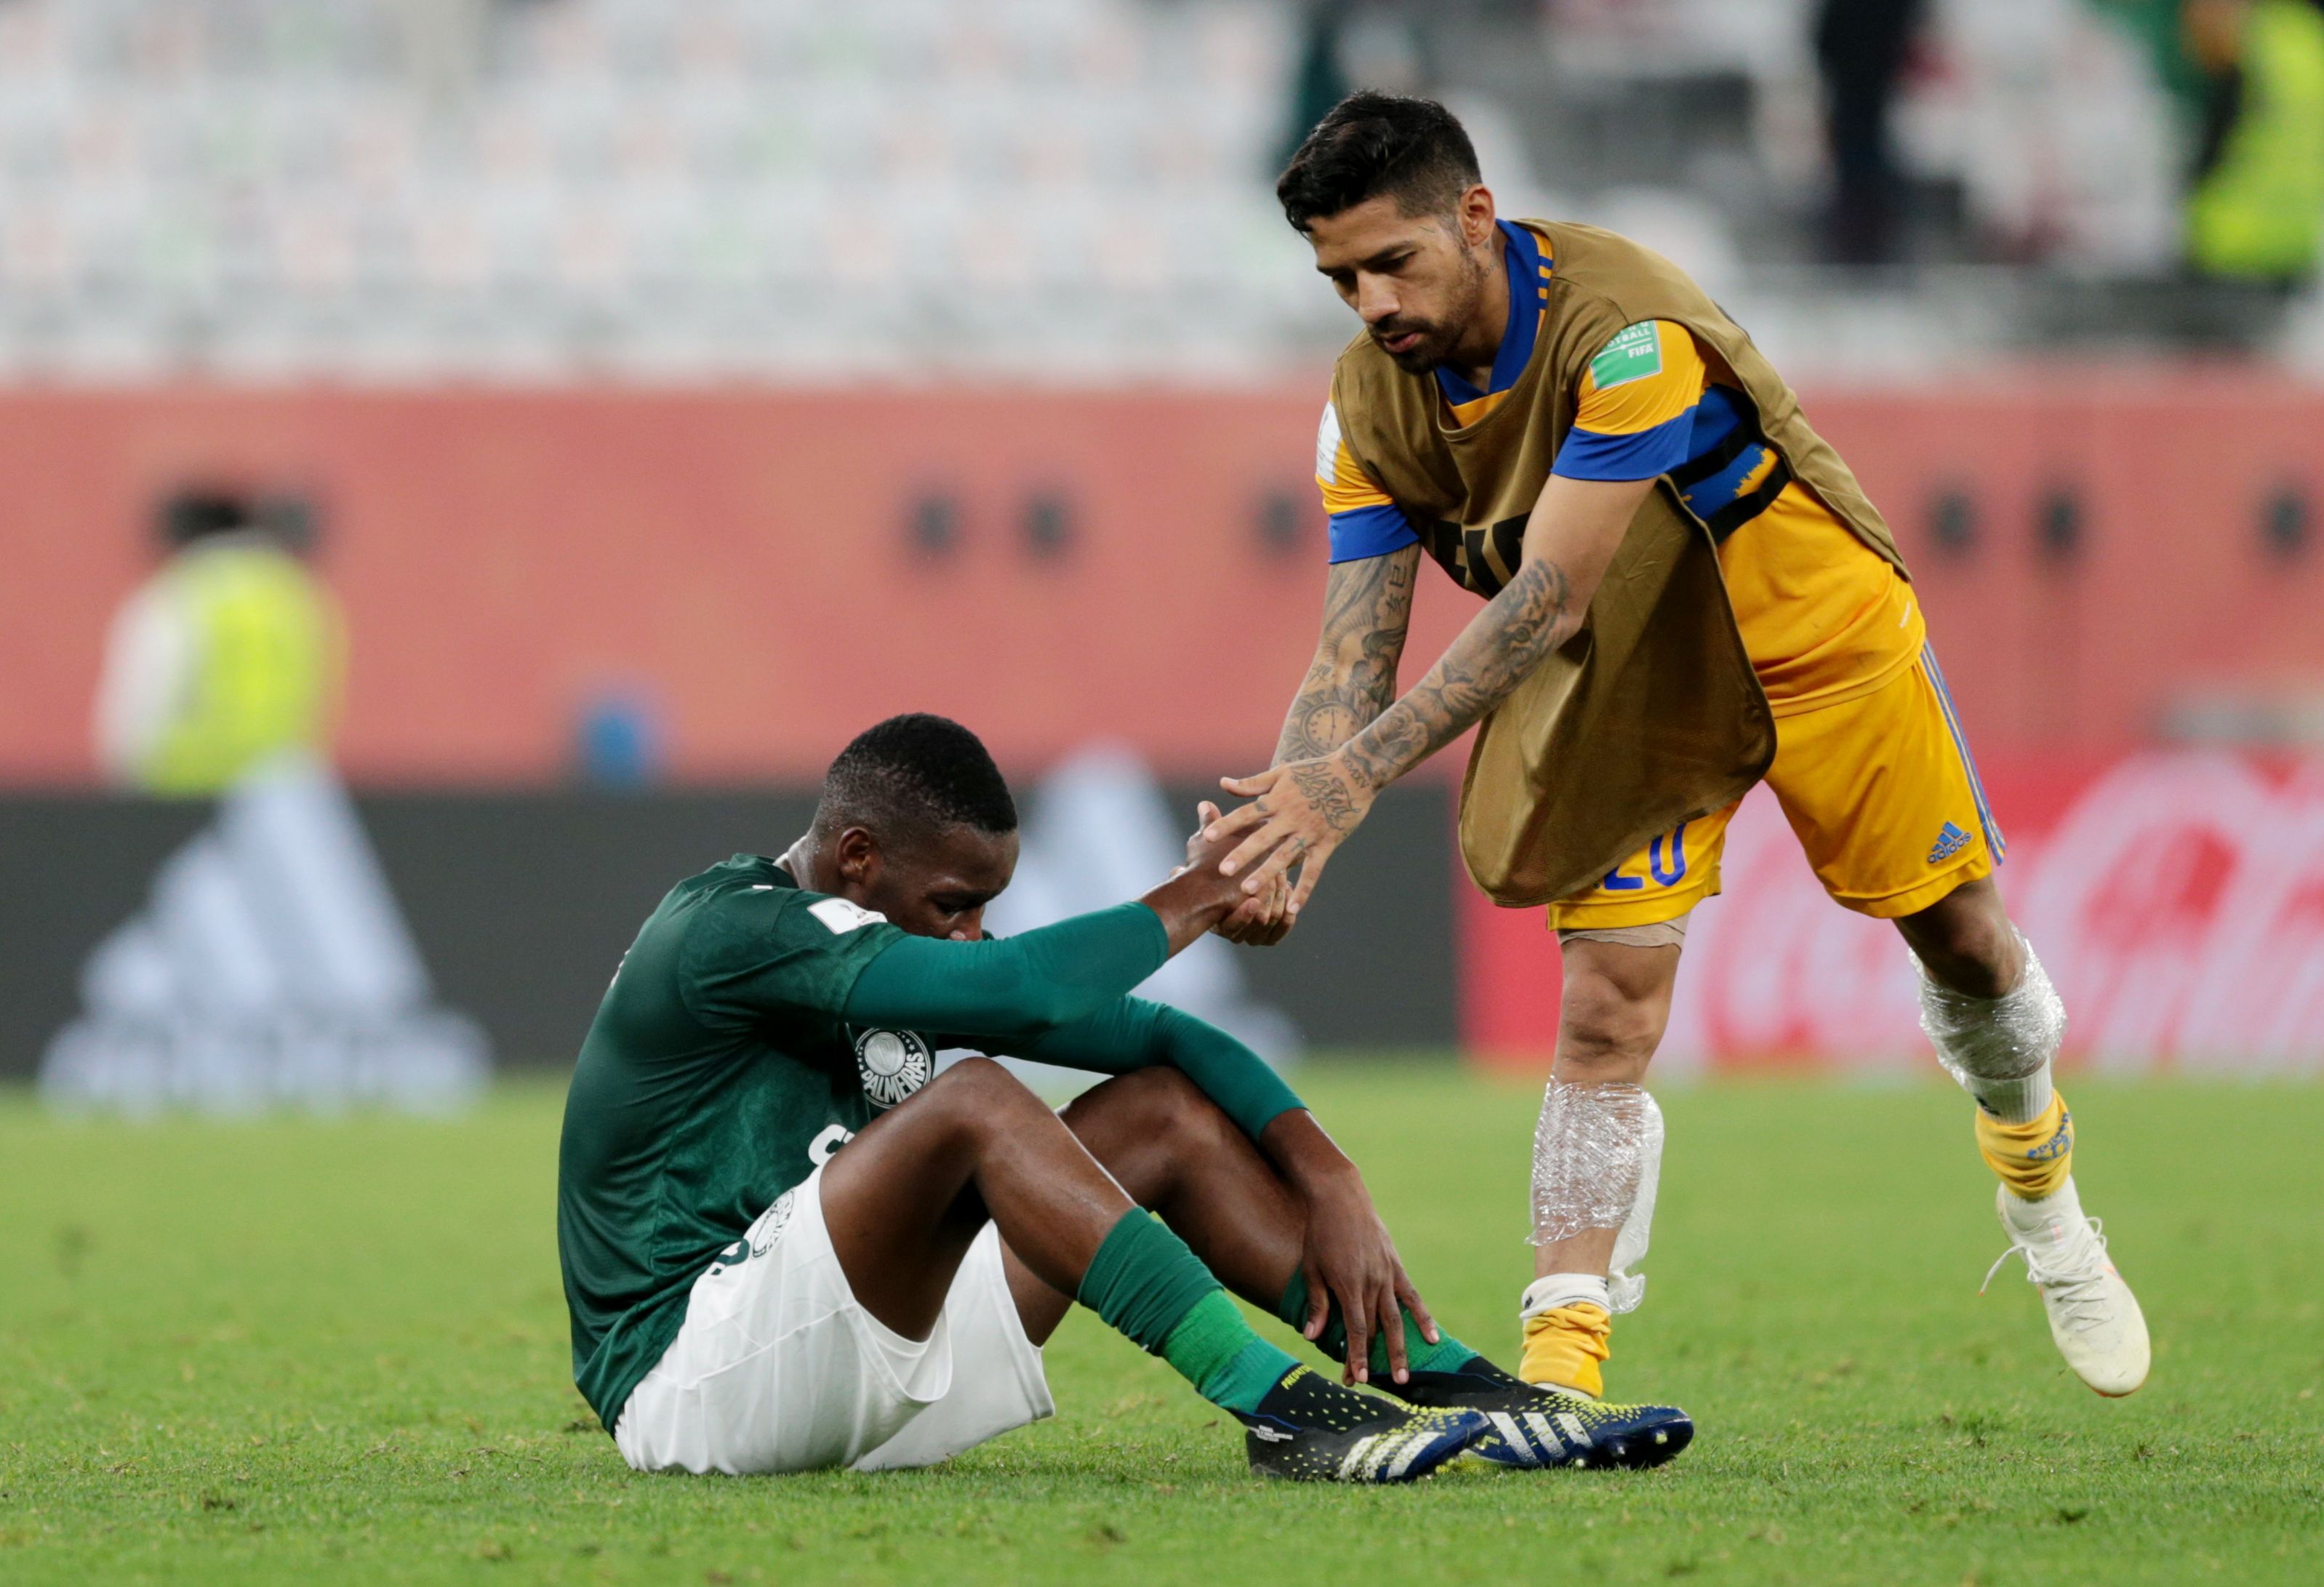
1596	1157
2004	1038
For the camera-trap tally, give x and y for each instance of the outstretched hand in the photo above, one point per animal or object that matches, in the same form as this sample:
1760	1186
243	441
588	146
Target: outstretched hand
1298	813
1199	895
1258	921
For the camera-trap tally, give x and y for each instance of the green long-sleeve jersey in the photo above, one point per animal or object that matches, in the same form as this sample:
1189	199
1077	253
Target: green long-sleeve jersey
754	1027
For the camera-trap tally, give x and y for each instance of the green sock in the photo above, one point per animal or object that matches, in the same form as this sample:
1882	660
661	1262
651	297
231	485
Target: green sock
1147	1286
1213	1349
1448	1354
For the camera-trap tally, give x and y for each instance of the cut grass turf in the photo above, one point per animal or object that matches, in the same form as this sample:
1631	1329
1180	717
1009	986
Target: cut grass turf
337	1351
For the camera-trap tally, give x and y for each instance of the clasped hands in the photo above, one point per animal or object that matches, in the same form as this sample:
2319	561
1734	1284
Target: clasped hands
1298	813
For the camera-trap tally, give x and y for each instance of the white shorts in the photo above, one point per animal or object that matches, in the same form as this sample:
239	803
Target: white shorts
778	1369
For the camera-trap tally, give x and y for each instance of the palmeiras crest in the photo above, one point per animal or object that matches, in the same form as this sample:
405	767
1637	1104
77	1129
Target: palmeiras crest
893	1063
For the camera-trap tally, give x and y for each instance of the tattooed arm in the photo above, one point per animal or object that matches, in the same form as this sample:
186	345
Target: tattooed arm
1367	605
1302	810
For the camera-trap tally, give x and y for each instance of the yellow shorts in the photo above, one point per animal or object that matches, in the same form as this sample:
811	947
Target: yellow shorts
1880	791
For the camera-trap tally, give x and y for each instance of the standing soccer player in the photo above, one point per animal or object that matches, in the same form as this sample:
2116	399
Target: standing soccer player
1685	591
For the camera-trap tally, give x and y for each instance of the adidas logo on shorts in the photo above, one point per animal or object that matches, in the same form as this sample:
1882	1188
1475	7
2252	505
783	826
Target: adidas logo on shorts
1949	842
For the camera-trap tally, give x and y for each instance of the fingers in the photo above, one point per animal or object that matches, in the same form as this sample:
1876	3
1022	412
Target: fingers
1249	787
1206	814
1246	925
1240	818
1265	907
1319	1302
1359	1311
1392	1330
1252	929
1271	879
1271	924
1309	875
1258	920
1251	849
1418	1307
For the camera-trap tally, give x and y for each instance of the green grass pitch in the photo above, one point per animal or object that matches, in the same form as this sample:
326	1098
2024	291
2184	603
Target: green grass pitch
298	1351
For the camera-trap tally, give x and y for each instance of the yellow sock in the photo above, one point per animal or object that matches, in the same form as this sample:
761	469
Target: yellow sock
1564	1346
2032	1159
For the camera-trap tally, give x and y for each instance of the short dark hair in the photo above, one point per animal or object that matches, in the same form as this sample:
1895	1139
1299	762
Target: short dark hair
917	772
1413	150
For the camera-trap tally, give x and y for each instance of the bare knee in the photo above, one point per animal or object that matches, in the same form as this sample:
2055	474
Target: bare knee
1604	1035
1154	1114
1967	942
978	1097
1616	1003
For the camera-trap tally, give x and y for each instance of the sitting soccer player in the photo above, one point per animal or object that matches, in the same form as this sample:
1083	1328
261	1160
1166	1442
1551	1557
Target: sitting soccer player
787	1246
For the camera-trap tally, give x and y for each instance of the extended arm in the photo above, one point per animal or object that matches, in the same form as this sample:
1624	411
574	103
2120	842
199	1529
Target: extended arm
1012	986
1303	810
1046	977
1366	608
1352	679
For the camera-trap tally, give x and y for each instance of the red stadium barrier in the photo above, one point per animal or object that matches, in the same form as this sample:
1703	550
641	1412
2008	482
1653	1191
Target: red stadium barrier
1054	566
2176	899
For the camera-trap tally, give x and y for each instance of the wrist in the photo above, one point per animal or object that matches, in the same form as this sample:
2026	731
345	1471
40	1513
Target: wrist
1191	902
1364	769
1310	1162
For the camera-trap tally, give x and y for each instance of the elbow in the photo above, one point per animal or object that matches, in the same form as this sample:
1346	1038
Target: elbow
1038	1004
1057	1006
1066	1005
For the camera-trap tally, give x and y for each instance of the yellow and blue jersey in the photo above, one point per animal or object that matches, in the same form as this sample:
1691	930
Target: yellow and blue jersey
1823	618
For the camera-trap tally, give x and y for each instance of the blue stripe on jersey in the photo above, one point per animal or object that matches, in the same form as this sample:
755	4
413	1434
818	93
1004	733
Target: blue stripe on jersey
1523	257
1995	843
1704	497
1588	455
1369	531
1719	411
1716	418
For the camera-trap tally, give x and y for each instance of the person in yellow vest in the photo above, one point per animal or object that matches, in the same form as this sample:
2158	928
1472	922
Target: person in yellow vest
2255	201
232	653
1685	592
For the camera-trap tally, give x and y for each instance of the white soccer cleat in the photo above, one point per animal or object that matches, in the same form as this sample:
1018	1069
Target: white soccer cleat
2093	1315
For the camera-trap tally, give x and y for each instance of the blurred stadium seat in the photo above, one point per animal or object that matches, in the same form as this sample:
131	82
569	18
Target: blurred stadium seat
610	158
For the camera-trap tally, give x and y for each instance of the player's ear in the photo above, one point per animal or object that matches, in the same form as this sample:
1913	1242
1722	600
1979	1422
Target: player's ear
858	853
1477	214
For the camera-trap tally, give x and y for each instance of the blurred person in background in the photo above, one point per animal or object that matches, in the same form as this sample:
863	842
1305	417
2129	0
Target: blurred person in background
1861	47
1685	591
2248	76
232	653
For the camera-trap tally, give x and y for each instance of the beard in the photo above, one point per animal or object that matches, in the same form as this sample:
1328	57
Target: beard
1438	336
1435	343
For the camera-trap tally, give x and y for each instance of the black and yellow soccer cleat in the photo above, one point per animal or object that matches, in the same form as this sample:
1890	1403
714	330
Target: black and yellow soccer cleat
1534	1428
1309	1429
